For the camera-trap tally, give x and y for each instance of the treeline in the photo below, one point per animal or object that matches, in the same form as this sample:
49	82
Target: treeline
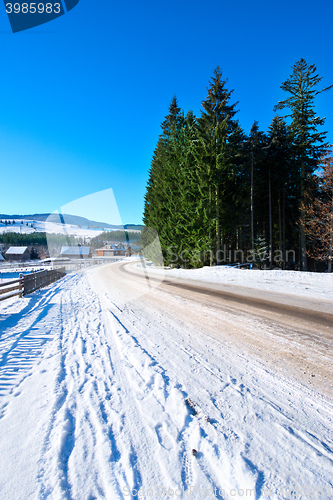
218	195
18	239
127	237
14	222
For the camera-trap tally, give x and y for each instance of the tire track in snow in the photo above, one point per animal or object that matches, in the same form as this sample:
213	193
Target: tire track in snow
60	440
88	422
117	415
154	386
53	476
141	375
210	462
242	423
140	441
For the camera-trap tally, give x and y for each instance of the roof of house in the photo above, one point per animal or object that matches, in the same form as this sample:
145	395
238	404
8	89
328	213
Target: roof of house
75	250
1	258
16	250
112	248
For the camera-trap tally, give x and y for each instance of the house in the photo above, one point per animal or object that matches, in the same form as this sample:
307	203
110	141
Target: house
131	250
111	251
18	253
77	252
1	258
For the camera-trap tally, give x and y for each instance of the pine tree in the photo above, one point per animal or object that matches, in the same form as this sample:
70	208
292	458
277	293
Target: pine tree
209	187
161	195
309	143
190	228
217	132
261	253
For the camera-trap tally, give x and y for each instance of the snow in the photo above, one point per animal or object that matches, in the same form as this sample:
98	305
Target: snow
16	250
76	251
102	398
50	228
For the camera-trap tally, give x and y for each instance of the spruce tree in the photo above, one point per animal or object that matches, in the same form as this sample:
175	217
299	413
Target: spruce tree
161	195
191	221
260	251
309	144
217	130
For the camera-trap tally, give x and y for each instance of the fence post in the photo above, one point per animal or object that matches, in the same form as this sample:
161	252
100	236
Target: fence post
21	289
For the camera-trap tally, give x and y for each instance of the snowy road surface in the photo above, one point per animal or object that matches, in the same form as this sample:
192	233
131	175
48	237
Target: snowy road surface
106	390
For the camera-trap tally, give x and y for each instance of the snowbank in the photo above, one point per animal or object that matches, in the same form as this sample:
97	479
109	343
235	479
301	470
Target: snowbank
317	285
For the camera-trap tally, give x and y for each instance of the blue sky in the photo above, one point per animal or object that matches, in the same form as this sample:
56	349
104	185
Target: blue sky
84	95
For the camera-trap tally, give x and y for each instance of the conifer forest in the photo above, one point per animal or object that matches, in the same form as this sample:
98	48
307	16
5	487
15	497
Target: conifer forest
217	195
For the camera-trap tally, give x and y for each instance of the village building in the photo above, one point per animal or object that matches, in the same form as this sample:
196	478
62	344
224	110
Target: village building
111	251
77	252
18	254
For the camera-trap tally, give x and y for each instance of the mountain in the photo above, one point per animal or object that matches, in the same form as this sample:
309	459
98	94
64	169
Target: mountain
70	219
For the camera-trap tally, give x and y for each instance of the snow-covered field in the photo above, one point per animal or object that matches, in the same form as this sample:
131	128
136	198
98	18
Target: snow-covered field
50	228
106	398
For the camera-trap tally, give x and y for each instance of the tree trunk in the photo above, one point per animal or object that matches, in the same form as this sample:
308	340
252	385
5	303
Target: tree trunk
303	262
330	255
280	226
302	228
270	221
210	231
218	227
252	228
284	228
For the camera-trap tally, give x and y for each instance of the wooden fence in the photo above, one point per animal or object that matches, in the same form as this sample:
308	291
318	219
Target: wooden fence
29	283
7	289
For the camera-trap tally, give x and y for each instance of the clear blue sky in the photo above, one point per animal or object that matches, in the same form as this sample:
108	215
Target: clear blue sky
82	97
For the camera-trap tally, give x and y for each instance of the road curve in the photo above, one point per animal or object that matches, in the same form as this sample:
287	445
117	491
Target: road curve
304	309
289	334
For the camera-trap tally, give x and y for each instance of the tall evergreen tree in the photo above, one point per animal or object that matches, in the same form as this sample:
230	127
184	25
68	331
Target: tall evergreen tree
209	186
161	197
188	225
309	144
217	131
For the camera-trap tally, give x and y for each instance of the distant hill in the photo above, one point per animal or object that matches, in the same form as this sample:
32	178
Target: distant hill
70	219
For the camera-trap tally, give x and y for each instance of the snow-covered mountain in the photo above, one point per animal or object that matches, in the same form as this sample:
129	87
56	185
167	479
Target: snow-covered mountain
52	224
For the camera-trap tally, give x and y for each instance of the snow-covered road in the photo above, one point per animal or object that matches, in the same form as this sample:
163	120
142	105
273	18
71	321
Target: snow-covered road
109	382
